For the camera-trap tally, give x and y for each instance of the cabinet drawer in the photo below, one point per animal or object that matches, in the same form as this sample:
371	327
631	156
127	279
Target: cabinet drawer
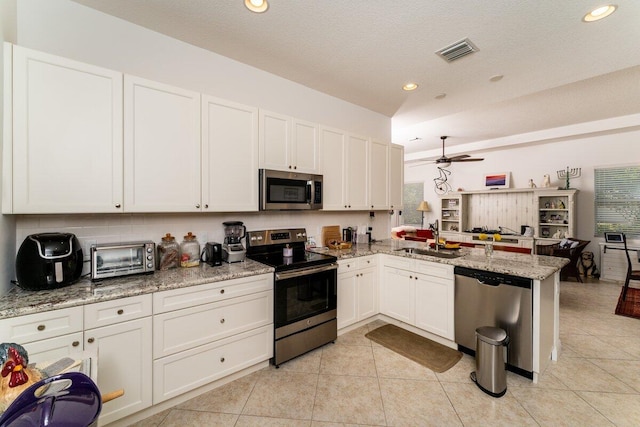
56	348
399	262
181	330
34	327
197	295
434	269
367	261
347	265
116	311
179	373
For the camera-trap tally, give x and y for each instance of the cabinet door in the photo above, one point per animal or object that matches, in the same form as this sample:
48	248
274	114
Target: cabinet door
397	298
379	175
275	141
162	147
229	156
357	173
347	302
434	305
333	168
67	136
367	293
124	362
396	176
305	147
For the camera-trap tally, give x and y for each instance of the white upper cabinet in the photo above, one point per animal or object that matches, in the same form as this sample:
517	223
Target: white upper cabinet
344	163
162	147
306	146
288	144
357	172
333	164
229	156
379	175
66	152
396	176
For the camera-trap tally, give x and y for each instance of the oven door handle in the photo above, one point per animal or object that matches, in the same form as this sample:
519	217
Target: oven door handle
305	271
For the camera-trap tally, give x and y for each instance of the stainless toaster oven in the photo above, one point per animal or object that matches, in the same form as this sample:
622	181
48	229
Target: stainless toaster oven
122	259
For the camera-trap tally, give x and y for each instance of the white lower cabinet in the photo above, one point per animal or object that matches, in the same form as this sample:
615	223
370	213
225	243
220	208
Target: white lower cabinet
357	290
398	295
206	332
187	370
420	293
434	297
123	347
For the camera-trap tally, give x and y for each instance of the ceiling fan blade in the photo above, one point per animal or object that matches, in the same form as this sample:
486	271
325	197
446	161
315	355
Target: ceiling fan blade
461	156
466	160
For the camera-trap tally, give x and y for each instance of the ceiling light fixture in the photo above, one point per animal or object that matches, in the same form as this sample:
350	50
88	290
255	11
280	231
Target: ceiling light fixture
440	96
257	6
496	78
410	86
599	13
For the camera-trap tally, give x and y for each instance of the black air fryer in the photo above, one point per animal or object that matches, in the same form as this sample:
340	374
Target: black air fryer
48	261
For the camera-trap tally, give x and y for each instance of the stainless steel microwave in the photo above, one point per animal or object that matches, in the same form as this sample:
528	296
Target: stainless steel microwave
289	191
122	259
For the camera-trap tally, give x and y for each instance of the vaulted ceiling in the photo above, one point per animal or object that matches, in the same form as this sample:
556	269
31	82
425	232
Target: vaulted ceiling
557	70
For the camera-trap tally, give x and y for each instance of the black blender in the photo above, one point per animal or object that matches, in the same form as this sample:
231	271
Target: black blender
232	249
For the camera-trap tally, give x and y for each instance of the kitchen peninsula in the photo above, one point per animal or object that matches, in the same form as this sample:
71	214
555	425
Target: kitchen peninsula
147	314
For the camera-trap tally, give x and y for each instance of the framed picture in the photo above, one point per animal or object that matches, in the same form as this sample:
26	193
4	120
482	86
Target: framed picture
497	180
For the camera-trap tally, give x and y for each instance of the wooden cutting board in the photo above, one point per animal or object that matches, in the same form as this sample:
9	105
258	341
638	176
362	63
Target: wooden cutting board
331	232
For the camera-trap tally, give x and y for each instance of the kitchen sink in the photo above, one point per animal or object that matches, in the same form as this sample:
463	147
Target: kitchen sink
442	253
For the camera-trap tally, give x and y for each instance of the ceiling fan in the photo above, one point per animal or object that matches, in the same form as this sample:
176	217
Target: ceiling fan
445	161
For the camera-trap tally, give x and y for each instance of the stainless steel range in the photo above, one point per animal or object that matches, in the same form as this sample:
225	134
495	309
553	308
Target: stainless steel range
305	290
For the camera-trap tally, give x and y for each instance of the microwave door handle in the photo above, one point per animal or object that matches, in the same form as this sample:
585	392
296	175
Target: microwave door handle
309	192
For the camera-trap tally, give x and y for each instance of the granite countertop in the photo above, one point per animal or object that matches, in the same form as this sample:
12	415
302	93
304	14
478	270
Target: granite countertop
18	302
537	267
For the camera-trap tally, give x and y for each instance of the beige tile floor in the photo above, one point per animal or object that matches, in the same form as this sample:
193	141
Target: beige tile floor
595	382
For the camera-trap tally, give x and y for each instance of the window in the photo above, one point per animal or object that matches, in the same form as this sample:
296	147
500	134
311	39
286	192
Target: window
617	198
413	195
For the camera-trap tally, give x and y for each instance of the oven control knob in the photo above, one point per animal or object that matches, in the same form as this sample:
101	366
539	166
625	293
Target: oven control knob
149	250
149	257
149	265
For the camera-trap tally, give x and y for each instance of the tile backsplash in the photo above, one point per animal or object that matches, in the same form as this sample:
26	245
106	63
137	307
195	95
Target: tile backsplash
110	228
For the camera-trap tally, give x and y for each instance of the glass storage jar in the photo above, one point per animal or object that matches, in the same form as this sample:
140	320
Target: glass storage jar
168	253
189	251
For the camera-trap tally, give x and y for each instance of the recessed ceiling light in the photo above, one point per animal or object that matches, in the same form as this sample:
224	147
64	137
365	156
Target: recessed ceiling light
257	6
599	13
410	86
440	96
496	78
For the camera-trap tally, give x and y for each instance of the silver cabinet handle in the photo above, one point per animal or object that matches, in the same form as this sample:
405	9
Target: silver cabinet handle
222	320
118	205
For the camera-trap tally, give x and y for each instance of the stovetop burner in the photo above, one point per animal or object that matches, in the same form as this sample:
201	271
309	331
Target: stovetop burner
267	247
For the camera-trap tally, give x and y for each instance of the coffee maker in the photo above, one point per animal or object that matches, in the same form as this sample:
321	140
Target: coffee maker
232	249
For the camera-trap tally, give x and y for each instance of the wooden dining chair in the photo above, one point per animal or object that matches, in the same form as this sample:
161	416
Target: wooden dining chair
631	273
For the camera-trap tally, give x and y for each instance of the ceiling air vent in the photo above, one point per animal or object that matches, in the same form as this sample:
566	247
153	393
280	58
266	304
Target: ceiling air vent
457	50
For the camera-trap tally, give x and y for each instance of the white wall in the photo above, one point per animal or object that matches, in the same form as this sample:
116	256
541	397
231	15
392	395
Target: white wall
7	222
600	149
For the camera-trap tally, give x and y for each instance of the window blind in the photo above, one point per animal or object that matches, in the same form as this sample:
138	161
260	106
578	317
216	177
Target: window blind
617	199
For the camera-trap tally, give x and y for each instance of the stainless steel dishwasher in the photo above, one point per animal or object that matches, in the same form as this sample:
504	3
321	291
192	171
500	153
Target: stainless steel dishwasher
483	298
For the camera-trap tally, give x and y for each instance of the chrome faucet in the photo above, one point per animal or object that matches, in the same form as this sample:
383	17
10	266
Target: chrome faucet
436	234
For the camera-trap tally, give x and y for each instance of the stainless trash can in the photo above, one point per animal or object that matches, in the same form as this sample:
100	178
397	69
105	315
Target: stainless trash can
490	374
